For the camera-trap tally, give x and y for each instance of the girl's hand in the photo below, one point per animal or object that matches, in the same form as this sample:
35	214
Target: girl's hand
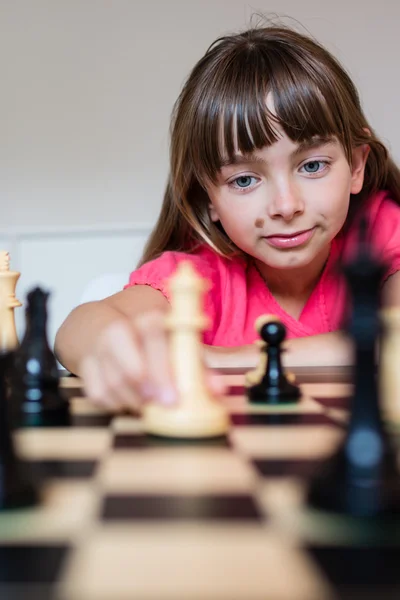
130	365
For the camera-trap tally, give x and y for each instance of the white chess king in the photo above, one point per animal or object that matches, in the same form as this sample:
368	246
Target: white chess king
8	302
197	414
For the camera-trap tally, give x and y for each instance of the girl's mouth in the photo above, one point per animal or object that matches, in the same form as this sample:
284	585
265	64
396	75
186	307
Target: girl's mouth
290	240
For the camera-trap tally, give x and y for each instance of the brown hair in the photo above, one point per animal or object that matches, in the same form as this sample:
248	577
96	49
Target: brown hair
223	103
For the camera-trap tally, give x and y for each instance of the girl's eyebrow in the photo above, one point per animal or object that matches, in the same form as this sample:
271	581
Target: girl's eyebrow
310	144
241	159
313	143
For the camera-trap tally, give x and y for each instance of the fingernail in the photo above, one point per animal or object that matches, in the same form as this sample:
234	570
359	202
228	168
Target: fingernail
167	396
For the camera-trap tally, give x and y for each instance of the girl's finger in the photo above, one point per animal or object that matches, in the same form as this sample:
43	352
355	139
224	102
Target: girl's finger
93	383
153	337
120	344
120	390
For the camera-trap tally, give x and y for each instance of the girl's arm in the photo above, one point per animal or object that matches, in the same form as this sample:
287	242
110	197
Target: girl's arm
80	333
119	348
326	349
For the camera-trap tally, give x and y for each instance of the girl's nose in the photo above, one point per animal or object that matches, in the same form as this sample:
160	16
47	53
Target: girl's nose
285	204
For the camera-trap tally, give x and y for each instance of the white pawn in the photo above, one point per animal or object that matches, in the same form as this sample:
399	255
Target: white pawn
8	302
197	414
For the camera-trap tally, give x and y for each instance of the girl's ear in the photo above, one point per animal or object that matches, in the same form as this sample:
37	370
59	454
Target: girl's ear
213	213
360	156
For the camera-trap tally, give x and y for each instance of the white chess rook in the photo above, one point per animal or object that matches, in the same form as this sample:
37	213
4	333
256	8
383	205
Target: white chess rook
197	414
8	302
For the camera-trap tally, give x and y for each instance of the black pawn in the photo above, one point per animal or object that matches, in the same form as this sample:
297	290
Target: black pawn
274	388
36	398
16	491
361	479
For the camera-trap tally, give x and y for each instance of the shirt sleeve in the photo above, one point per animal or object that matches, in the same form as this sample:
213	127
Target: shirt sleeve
157	273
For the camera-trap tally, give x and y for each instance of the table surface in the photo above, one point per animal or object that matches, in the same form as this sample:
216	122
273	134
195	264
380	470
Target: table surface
124	515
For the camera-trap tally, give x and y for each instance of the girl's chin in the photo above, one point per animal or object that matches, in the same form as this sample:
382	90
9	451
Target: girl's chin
287	259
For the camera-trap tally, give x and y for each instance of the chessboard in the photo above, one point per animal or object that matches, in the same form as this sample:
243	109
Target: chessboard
126	515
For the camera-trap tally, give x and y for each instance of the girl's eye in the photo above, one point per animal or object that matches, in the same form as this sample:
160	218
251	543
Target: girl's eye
314	166
243	182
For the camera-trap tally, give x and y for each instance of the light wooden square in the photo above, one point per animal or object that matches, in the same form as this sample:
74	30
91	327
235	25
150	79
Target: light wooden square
62	444
190	562
300	441
176	471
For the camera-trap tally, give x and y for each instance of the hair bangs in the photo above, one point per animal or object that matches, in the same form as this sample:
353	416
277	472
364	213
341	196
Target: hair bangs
233	116
307	104
232	119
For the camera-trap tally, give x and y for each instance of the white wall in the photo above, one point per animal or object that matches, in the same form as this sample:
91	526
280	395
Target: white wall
87	87
60	259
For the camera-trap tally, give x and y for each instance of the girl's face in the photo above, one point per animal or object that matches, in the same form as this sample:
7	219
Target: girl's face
285	203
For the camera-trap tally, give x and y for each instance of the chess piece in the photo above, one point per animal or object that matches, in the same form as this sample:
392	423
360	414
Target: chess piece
389	371
274	387
361	478
35	394
197	414
8	302
16	490
255	375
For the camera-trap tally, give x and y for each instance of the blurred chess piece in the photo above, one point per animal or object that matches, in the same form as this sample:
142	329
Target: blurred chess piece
16	487
36	397
389	371
8	302
361	478
197	414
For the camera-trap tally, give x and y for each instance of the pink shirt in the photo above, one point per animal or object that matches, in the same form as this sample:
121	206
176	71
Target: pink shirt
238	293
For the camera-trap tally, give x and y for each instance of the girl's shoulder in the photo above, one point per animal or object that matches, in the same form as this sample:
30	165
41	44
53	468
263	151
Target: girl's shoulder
382	215
382	212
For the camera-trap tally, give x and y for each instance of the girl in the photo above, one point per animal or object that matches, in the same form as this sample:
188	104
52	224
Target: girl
272	163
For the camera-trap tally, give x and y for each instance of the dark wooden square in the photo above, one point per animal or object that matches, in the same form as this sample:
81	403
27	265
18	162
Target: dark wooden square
132	440
342	402
357	572
282	419
64	469
223	508
91	420
31	564
287	468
